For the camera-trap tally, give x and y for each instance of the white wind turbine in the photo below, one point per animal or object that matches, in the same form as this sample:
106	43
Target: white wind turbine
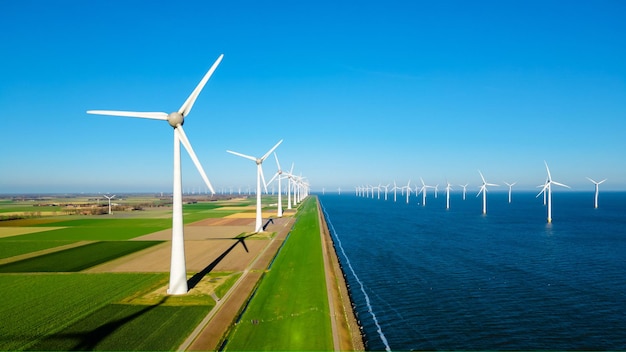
547	188
595	203
258	227
448	188
178	270
408	191
423	191
113	196
464	190
386	187
483	190
279	175
436	190
510	188
395	190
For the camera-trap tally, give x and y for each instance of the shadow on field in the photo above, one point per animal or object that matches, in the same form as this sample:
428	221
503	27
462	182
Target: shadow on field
194	280
89	340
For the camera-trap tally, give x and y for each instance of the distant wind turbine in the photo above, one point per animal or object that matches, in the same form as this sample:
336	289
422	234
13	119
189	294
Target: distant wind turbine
547	189
483	190
464	189
258	227
113	196
423	191
595	203
408	191
279	175
178	272
448	188
510	187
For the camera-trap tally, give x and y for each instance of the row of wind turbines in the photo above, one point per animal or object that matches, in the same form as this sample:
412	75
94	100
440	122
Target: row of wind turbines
546	191
178	272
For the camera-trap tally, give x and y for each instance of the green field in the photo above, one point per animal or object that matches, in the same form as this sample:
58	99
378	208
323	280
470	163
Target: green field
78	258
48	304
289	311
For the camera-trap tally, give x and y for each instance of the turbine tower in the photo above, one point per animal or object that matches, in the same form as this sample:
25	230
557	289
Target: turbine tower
258	227
113	196
595	203
547	187
178	270
510	187
483	190
279	174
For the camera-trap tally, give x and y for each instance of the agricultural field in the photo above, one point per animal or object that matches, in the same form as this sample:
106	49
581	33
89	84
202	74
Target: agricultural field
98	282
291	300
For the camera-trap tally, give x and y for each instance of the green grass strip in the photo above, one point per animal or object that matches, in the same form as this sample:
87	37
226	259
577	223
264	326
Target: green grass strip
289	311
78	258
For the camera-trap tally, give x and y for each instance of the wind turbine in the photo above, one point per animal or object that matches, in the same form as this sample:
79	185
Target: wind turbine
423	191
436	190
510	188
408	191
547	187
395	190
595	204
113	196
259	176
178	270
448	188
483	190
464	190
279	174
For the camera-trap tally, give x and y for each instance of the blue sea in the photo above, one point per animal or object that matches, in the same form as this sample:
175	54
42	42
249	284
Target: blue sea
427	278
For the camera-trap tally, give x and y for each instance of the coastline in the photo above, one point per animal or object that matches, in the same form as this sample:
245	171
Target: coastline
342	309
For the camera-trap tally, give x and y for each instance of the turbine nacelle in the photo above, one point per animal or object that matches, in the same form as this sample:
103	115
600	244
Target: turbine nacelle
175	119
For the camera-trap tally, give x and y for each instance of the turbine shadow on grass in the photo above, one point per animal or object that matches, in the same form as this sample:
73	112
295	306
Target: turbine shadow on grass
89	340
270	220
195	279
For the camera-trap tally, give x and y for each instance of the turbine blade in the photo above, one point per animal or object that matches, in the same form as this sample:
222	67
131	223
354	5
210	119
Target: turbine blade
183	138
272	179
590	179
602	181
143	115
542	190
481	176
271	150
560	184
188	104
277	163
242	155
549	177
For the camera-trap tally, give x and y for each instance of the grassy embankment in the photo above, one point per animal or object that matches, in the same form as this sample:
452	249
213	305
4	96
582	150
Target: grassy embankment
289	310
47	305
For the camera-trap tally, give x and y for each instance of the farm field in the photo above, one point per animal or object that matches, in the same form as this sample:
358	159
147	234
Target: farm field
98	282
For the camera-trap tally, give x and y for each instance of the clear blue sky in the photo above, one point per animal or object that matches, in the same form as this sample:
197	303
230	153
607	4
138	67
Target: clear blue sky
362	92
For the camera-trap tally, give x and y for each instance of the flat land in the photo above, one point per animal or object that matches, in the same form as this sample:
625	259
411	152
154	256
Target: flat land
225	263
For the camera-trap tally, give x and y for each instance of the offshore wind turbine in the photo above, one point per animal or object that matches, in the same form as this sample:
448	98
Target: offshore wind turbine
510	188
408	191
113	196
595	203
178	270
547	188
483	190
448	188
423	191
258	227
395	190
464	190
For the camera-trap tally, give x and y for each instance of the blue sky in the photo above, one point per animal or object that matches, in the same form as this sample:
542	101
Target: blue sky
361	92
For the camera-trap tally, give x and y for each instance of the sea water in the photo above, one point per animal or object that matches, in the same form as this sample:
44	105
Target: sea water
431	278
